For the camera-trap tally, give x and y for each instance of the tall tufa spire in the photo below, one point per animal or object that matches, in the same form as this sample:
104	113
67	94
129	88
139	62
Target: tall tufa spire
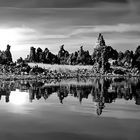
100	40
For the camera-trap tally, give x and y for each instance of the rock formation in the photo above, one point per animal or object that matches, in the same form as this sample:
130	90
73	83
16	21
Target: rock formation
103	56
72	60
63	55
100	41
102	53
39	55
80	57
83	57
136	58
49	57
32	57
6	56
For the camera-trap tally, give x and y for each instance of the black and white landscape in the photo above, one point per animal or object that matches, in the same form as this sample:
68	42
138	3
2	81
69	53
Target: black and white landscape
70	69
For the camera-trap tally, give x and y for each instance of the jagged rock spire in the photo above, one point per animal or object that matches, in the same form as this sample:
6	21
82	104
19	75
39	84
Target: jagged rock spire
32	54
8	54
100	40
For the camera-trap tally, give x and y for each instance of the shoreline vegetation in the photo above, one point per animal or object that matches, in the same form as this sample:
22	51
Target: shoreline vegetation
40	71
104	62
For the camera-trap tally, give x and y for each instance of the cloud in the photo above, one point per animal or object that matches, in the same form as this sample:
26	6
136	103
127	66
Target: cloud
107	28
72	22
56	3
26	35
62	17
55	36
14	36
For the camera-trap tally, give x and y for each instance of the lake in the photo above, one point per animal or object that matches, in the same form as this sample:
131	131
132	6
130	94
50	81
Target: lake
72	109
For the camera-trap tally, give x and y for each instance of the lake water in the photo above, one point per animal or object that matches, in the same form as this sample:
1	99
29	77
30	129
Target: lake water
76	109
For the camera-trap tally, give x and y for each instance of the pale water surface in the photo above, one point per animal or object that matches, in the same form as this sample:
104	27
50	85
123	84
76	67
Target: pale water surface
76	109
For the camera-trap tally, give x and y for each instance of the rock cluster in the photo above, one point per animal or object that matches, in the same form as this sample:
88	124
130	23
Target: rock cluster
80	57
104	58
40	56
100	58
63	56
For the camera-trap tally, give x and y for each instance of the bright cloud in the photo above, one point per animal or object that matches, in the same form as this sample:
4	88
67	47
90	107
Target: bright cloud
14	36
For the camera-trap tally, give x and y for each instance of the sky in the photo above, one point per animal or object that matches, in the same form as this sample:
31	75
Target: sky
74	23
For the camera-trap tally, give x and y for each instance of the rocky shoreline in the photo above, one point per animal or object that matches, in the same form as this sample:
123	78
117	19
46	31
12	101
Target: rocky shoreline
26	72
41	77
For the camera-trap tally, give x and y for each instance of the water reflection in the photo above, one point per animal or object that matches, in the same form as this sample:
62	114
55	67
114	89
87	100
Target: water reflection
102	91
18	98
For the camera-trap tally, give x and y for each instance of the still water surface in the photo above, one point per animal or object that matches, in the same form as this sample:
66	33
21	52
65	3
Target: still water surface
84	109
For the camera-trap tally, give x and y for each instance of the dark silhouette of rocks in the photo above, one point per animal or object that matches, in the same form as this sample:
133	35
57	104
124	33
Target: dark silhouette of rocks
83	57
73	59
80	57
136	60
125	59
6	56
102	54
102	58
100	41
20	60
49	57
32	56
63	55
39	55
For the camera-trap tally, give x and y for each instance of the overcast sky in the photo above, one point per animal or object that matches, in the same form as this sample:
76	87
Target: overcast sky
51	23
